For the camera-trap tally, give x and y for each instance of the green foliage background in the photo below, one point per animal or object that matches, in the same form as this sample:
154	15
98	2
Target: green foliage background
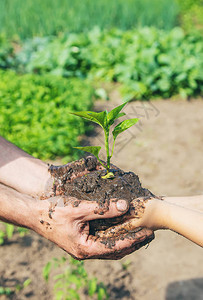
191	16
49	17
148	62
6	53
59	39
35	113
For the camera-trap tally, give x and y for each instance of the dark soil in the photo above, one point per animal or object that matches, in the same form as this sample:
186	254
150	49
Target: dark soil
82	180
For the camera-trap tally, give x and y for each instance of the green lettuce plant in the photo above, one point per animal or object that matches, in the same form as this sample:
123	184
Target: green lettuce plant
106	119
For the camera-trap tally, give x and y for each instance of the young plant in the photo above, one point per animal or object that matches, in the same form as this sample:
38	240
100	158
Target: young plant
8	230
106	119
73	280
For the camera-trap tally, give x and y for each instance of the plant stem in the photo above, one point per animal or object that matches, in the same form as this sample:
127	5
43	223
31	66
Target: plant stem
113	148
108	157
101	162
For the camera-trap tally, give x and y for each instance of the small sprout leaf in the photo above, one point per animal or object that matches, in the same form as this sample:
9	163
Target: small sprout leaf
99	118
92	149
120	115
108	175
123	126
27	282
92	286
46	271
9	230
113	114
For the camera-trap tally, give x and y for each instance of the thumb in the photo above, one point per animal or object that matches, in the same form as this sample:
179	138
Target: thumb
91	209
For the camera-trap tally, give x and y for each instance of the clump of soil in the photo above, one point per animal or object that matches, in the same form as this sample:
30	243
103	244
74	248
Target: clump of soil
82	180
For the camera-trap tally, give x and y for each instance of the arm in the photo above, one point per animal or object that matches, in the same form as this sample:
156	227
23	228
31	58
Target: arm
21	171
183	220
68	226
193	202
16	208
167	214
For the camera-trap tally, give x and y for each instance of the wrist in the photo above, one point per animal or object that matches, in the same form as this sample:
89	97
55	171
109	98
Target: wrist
23	172
37	179
39	209
156	214
16	208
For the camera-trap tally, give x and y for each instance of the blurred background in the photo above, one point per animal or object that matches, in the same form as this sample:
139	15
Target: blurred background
58	56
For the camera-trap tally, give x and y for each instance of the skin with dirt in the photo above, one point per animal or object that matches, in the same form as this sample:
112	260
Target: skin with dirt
83	180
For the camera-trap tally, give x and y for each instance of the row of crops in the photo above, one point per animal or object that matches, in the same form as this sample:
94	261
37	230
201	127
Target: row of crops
46	73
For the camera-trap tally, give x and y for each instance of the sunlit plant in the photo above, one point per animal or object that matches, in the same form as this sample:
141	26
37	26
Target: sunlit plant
106	119
73	279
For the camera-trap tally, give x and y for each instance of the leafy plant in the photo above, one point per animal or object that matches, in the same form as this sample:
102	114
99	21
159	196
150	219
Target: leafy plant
6	233
126	264
106	119
191	13
5	291
14	290
73	280
8	230
6	53
140	60
19	287
34	113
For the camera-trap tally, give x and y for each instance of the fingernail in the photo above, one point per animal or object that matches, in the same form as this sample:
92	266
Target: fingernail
121	205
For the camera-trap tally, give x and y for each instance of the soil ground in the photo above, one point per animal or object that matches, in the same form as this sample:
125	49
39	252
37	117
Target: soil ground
165	150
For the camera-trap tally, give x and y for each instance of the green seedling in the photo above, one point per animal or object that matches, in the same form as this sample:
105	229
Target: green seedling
106	119
8	230
126	264
73	280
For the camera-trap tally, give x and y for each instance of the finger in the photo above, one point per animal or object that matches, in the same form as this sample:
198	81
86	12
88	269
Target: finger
116	230
124	252
104	249
91	210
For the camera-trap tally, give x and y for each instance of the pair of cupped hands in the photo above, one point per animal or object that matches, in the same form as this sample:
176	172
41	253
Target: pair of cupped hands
67	225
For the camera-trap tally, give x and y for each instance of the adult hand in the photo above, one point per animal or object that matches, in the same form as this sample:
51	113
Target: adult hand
68	227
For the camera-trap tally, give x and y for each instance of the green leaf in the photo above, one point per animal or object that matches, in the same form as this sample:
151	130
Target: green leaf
59	295
9	230
22	231
76	280
5	291
108	175
99	118
123	126
27	282
18	287
2	235
46	271
92	149
58	276
73	294
92	286
102	294
113	114
74	261
120	115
